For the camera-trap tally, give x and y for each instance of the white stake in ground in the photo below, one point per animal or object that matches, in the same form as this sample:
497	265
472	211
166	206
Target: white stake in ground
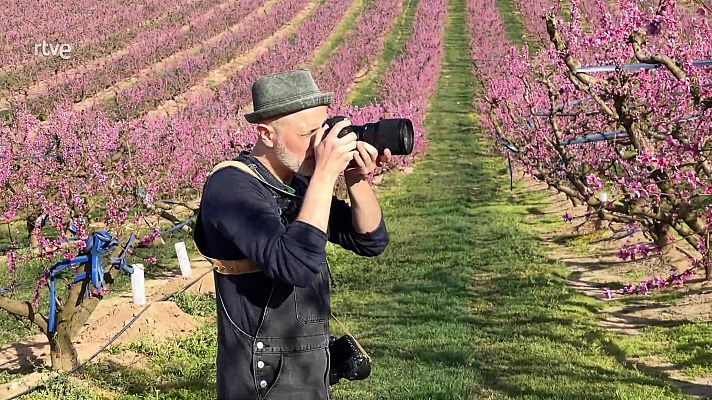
183	260
138	287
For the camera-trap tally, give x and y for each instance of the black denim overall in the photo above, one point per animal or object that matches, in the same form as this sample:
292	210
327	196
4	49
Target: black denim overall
288	357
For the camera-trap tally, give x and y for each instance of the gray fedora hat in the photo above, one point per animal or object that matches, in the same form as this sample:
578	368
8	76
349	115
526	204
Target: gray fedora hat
285	93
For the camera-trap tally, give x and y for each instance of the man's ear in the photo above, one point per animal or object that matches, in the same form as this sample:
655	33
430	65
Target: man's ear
266	134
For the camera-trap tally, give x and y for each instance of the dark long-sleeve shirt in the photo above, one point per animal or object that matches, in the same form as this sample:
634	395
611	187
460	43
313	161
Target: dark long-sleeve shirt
239	219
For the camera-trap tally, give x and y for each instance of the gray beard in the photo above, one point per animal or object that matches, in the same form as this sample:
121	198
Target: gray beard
287	159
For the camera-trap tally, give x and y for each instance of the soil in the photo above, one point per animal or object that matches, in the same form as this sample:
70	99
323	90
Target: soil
225	71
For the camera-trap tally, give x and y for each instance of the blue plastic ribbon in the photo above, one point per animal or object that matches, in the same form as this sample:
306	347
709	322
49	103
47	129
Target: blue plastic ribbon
98	245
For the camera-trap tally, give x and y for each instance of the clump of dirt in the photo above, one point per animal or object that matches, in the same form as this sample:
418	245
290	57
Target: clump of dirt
163	320
204	285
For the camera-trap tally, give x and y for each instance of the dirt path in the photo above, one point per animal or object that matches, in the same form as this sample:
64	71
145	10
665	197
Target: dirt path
223	73
600	264
32	357
112	91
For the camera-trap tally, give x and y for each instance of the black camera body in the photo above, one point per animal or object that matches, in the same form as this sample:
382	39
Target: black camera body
347	360
395	134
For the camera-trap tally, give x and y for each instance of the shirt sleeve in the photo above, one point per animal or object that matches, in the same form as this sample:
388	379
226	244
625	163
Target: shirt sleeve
237	206
342	232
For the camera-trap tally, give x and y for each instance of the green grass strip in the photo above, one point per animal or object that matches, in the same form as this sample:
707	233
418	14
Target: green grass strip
464	304
511	18
339	33
367	90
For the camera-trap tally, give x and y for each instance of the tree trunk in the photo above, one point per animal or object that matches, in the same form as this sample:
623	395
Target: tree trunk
661	233
62	352
75	311
69	319
30	224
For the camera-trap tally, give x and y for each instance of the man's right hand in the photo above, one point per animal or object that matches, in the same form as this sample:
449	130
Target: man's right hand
332	154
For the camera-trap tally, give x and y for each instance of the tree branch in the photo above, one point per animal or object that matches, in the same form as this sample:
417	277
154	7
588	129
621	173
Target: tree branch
24	310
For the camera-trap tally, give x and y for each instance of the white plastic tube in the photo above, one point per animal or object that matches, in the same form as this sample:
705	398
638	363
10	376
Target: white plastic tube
138	287
183	260
603	196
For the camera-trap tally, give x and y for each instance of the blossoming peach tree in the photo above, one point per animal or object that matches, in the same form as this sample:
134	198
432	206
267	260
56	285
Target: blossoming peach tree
62	183
617	118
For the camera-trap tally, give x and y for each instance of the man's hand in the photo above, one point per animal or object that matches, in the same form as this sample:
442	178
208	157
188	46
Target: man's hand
332	154
365	161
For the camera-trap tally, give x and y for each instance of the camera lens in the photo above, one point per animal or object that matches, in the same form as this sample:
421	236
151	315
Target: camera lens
395	134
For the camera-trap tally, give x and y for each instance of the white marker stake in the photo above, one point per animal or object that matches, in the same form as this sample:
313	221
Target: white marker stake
137	285
183	260
603	196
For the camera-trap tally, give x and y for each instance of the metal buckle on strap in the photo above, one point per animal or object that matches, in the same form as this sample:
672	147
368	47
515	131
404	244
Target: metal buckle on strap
235	267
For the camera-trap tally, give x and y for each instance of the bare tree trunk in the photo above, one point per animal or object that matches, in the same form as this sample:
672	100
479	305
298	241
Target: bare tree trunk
62	352
707	262
75	311
30	223
661	233
70	318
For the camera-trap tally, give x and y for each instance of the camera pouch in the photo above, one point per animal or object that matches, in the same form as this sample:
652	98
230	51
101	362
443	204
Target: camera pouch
347	358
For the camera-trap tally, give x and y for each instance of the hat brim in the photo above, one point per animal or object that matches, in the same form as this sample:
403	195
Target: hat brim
289	107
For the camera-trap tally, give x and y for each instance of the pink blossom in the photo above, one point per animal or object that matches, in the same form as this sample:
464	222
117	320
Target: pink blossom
594	182
607	292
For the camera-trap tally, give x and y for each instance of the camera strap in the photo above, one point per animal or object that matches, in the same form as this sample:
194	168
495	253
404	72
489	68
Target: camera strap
341	324
246	169
286	190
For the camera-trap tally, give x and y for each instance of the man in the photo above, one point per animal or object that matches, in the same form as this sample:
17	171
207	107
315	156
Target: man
267	226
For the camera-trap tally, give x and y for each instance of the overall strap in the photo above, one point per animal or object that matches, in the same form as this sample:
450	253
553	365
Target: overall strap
246	169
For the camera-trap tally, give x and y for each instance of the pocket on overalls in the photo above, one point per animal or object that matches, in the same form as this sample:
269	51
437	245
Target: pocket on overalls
312	302
301	377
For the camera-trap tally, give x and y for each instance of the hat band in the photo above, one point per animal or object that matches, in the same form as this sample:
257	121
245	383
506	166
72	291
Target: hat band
284	100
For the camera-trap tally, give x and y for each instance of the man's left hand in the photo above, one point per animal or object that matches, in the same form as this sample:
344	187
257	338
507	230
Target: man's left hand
365	161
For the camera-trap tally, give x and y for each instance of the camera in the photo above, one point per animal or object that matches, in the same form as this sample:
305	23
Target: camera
395	134
347	359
